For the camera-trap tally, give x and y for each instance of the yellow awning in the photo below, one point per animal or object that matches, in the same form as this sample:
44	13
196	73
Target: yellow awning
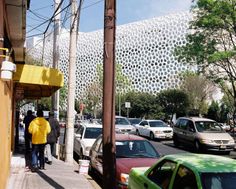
37	81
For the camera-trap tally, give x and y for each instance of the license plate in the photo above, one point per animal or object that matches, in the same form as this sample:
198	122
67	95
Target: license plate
222	146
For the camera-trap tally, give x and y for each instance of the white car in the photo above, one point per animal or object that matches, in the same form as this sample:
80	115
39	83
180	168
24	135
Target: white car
154	129
122	125
84	137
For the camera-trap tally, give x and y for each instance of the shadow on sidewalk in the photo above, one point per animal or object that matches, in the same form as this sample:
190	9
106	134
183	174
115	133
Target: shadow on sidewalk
49	180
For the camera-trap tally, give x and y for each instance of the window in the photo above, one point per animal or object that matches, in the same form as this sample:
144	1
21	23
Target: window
162	173
183	124
185	179
143	123
92	132
191	126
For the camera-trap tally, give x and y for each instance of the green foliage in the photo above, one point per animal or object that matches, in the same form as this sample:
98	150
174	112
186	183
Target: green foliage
143	105
211	43
214	111
174	101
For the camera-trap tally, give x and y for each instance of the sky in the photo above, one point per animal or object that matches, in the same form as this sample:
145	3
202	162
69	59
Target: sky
92	13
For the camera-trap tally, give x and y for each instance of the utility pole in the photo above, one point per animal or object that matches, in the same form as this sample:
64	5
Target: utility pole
109	148
71	85
56	54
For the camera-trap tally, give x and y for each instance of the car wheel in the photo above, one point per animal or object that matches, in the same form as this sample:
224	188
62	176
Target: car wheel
137	132
152	136
197	146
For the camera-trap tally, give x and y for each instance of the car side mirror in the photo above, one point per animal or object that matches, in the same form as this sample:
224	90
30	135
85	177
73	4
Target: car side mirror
192	130
77	135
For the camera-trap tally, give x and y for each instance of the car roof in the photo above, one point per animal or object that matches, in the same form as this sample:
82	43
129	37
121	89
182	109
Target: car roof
94	125
196	118
153	120
126	136
204	162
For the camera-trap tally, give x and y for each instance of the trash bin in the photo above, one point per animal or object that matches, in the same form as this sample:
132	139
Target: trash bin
83	166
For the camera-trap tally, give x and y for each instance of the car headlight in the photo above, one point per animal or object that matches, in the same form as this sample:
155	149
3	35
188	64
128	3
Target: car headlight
231	141
207	141
124	178
158	132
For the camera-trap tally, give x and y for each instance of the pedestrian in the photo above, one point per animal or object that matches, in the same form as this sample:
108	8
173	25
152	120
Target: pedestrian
39	128
28	118
52	137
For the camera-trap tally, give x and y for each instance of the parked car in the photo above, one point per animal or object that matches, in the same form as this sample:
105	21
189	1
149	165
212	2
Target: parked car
154	129
131	151
122	125
84	137
134	121
186	171
203	134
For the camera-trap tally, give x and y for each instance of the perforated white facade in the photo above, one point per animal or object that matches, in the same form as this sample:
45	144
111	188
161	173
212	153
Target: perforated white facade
144	49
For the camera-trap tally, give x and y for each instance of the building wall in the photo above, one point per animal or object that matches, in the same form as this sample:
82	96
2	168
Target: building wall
143	49
5	131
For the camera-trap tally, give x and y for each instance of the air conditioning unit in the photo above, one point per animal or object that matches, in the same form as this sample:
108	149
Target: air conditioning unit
7	70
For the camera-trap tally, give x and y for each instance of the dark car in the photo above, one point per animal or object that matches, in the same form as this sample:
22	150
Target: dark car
134	121
131	151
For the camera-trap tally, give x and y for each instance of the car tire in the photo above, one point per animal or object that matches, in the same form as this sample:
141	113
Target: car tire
137	132
197	146
152	136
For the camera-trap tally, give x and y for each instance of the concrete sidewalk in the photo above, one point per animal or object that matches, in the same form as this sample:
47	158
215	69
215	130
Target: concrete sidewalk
59	175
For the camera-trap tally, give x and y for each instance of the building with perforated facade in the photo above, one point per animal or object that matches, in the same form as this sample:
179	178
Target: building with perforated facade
144	49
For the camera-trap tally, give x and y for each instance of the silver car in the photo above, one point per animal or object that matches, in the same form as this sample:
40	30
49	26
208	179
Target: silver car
203	134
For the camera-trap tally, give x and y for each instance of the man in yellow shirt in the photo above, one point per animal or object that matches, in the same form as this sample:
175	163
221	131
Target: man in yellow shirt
39	128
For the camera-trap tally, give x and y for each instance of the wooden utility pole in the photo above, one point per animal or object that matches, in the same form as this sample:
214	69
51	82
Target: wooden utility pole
71	85
56	54
109	148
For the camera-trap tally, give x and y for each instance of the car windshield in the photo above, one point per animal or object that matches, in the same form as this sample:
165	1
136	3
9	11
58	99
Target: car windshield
122	121
134	121
92	132
136	149
218	180
208	126
157	124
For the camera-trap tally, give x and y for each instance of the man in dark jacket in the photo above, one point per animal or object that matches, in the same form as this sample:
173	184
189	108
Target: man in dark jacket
28	118
52	137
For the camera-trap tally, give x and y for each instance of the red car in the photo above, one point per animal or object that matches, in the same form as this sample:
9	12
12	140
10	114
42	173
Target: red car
131	151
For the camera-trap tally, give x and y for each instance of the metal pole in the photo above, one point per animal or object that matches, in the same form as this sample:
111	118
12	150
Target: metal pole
109	158
56	54
71	85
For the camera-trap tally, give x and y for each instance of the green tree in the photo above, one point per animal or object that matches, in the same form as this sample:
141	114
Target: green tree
211	43
214	111
143	105
174	101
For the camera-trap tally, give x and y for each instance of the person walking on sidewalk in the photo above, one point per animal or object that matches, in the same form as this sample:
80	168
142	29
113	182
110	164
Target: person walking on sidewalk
52	137
39	128
28	118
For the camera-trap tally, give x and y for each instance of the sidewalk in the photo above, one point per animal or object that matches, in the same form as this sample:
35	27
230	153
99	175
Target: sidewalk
59	175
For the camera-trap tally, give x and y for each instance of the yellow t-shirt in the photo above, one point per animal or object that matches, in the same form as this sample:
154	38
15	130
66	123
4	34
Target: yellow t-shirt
39	128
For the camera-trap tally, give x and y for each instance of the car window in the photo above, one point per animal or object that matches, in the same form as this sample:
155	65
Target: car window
218	180
135	148
208	126
191	126
183	124
162	173
157	124
92	132
122	121
185	179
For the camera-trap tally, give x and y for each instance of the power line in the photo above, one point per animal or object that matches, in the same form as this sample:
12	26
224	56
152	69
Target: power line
43	7
92	4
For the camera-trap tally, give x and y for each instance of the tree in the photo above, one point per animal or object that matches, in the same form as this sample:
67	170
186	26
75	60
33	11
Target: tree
143	105
94	92
211	43
199	89
214	111
174	101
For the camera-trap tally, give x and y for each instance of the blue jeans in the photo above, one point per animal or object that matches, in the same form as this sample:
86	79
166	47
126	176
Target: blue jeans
38	155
